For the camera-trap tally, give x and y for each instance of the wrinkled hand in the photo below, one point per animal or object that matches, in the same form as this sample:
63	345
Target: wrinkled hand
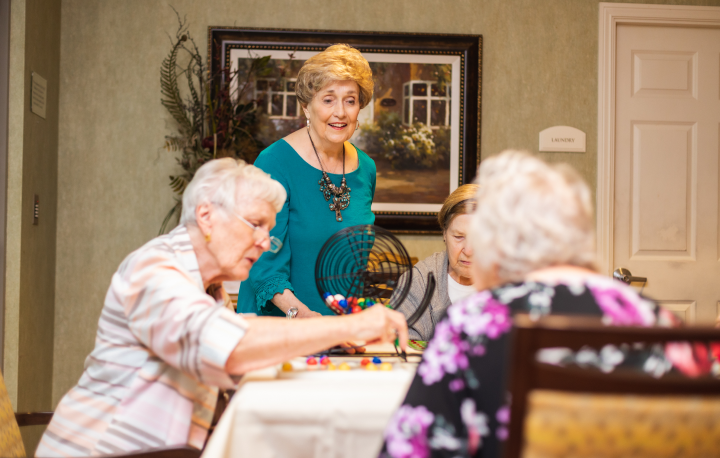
351	348
307	313
379	324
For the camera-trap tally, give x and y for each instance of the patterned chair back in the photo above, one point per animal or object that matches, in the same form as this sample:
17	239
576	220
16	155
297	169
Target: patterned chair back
11	444
572	412
561	424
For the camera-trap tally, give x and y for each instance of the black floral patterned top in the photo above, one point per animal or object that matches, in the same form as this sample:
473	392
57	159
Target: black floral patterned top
457	405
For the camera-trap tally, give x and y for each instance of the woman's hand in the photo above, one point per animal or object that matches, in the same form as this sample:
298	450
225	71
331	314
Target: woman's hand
305	312
271	340
379	324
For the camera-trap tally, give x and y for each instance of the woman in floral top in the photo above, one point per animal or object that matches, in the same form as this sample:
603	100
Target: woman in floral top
532	234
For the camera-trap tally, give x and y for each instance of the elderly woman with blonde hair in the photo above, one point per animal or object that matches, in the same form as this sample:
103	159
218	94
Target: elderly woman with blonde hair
164	346
533	252
451	268
329	182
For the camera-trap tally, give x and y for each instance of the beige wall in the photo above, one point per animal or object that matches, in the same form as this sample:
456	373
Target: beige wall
32	169
539	70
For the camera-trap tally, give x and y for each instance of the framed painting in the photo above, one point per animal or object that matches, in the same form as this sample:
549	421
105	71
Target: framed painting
422	127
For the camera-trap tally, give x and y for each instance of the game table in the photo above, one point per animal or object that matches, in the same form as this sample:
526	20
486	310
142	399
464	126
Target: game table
314	412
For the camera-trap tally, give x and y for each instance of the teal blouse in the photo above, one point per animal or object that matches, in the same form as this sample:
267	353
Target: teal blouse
303	225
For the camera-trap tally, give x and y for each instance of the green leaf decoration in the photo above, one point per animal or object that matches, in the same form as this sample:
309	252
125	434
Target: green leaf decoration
170	91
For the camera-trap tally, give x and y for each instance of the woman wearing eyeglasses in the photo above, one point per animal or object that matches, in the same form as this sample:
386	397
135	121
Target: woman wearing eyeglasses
329	182
164	345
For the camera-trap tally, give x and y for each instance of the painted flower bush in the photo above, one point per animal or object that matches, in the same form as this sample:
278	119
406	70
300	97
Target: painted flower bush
408	147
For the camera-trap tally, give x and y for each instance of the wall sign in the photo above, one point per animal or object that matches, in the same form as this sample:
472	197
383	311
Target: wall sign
564	139
39	95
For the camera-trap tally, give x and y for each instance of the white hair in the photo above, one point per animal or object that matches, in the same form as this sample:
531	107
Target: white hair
232	184
531	215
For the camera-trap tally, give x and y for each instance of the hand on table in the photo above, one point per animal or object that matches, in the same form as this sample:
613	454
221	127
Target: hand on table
379	324
307	313
348	347
351	348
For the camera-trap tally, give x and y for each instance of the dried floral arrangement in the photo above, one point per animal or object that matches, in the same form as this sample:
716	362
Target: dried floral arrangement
212	120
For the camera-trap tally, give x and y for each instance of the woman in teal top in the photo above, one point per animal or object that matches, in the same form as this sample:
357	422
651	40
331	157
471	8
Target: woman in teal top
329	182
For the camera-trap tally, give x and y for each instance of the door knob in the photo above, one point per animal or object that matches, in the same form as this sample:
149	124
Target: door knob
626	276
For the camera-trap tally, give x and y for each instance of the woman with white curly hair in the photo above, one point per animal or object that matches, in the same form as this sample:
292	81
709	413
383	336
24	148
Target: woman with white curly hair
164	345
533	248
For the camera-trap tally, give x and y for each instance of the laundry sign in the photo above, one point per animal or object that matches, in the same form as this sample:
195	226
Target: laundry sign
564	139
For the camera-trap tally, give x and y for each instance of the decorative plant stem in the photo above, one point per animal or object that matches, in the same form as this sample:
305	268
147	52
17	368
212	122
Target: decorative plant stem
211	121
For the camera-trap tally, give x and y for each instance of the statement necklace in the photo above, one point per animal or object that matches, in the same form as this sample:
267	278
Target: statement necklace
340	194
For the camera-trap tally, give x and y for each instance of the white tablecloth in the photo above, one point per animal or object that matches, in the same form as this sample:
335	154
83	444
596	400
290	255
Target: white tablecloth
320	414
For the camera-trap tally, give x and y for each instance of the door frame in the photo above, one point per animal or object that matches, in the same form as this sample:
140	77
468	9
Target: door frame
611	16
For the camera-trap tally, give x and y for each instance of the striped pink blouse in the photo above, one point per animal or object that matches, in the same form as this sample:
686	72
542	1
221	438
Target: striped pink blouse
160	353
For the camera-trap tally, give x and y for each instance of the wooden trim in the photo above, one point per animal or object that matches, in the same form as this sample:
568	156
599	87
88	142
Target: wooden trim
33	418
611	15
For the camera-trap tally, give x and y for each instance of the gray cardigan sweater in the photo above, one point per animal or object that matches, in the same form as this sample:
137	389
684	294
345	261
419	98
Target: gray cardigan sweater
424	328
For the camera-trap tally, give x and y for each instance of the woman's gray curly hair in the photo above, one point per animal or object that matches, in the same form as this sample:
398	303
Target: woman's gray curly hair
231	184
531	215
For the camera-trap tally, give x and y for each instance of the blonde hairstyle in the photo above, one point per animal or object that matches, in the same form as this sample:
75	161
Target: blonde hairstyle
232	184
460	202
531	215
337	63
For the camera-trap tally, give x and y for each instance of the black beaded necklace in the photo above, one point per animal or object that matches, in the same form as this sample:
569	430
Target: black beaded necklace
340	194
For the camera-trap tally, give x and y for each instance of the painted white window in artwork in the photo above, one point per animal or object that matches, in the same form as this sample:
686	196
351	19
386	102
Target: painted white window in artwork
277	97
426	102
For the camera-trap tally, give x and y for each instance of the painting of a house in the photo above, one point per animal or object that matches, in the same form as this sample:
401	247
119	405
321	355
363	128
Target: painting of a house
407	128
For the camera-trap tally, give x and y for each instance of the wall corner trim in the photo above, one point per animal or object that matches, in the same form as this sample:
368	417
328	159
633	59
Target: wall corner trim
16	122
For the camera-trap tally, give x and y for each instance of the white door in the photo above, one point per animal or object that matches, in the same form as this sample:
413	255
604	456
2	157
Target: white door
667	112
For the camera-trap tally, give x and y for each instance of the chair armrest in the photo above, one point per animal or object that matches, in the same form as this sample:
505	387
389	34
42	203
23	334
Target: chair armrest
169	452
33	418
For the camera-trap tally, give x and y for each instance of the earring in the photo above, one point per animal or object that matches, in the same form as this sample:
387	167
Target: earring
308	122
357	125
208	237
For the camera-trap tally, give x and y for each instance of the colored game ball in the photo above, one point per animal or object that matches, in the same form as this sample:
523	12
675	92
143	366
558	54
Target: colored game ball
370	367
343	303
287	367
326	295
339	297
386	367
356	309
311	361
324	360
364	362
376	360
331	367
343	367
335	307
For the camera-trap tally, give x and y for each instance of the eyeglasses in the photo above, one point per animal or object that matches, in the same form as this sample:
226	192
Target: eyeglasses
275	243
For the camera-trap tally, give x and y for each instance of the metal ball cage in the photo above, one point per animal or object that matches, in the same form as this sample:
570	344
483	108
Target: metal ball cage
364	264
